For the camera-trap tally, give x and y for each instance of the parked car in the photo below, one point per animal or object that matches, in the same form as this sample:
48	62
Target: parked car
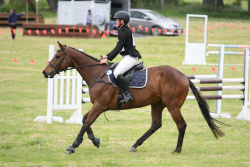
151	22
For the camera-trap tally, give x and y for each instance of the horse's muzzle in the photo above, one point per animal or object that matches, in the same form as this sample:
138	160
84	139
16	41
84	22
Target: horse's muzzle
45	74
50	75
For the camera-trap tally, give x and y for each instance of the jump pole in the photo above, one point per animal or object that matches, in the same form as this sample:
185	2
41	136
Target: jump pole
226	46
202	76
229	46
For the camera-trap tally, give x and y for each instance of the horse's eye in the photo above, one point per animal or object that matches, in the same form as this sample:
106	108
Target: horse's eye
57	56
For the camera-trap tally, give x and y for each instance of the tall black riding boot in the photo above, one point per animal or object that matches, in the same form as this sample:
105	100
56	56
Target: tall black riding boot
124	86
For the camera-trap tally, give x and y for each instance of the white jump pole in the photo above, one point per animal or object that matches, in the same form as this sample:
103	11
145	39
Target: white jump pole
228	46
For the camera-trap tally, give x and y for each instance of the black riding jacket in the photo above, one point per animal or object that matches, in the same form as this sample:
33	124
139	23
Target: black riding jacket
125	44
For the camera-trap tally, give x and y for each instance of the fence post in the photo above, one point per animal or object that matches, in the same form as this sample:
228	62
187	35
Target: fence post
50	89
245	113
220	76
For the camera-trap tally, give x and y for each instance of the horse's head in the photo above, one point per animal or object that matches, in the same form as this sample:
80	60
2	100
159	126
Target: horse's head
58	63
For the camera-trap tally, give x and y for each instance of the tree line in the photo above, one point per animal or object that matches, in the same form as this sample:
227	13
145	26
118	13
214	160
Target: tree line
215	4
32	4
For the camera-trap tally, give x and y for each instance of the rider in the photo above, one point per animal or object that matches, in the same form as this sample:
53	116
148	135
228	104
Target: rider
126	47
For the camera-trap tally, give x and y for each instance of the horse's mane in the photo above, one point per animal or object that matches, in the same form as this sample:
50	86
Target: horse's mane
86	54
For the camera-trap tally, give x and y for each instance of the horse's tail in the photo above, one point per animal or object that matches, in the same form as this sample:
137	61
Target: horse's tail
205	112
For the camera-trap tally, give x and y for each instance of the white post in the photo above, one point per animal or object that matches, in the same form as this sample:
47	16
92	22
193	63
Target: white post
50	89
220	76
245	113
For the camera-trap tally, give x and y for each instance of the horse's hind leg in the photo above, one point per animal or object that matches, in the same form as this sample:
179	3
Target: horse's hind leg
156	114
181	125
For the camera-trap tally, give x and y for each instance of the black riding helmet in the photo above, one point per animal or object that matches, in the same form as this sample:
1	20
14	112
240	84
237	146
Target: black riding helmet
122	15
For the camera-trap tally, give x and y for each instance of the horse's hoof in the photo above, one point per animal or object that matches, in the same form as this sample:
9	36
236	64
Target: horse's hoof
176	152
70	150
96	142
133	149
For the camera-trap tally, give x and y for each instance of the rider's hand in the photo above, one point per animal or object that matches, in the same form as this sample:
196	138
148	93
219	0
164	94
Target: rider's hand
104	60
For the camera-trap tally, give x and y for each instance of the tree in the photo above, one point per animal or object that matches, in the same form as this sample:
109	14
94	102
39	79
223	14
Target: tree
162	4
31	5
52	5
1	2
216	4
248	6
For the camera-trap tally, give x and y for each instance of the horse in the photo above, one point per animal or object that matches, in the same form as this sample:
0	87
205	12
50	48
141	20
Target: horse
166	88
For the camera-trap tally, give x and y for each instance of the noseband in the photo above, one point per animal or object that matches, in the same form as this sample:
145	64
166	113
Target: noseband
60	63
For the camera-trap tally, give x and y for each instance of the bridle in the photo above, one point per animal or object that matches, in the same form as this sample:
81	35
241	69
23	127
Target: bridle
60	63
56	71
71	68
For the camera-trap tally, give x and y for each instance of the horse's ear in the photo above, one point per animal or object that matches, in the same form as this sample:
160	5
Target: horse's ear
60	45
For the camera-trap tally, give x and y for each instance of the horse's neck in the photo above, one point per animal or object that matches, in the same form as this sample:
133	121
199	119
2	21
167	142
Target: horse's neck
91	73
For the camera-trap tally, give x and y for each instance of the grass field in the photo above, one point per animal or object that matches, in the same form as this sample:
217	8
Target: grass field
23	96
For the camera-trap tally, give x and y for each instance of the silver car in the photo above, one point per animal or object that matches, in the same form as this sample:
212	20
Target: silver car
151	22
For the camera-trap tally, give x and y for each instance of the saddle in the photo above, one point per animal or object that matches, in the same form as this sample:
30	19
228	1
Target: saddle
136	76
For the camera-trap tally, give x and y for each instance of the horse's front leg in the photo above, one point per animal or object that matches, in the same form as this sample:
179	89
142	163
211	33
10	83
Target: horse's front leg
92	115
91	136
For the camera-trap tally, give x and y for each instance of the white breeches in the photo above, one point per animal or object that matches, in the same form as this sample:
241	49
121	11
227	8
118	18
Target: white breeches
125	64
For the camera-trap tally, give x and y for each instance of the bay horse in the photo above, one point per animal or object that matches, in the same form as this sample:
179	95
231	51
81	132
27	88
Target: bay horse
166	88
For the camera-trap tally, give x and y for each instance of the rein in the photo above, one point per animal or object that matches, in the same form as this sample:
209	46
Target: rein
71	68
99	79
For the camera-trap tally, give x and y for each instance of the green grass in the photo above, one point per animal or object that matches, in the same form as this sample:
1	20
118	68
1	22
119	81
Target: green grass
23	96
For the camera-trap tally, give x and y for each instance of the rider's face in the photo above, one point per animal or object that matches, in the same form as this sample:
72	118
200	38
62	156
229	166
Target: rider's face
117	22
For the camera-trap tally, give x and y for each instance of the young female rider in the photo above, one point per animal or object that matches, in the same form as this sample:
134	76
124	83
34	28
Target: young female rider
126	47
